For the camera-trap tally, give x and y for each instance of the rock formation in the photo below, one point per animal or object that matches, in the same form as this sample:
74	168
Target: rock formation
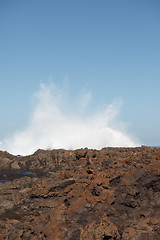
83	194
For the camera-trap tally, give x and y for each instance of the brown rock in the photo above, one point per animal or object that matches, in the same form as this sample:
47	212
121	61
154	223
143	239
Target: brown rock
112	194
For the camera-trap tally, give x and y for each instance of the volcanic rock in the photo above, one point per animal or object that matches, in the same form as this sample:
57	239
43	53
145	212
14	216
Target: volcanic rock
113	193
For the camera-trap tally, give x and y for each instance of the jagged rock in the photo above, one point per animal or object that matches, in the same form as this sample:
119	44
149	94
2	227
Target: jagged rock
87	194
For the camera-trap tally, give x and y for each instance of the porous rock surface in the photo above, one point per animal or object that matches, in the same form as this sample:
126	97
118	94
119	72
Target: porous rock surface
113	193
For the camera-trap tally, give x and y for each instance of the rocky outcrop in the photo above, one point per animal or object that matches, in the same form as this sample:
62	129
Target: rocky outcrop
112	194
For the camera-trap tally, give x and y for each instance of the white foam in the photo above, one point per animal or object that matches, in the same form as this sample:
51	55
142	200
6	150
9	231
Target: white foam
53	126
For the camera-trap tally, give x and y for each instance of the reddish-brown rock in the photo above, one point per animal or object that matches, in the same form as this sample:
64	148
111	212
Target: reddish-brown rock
112	194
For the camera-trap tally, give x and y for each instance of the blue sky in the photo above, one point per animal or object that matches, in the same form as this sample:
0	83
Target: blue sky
109	47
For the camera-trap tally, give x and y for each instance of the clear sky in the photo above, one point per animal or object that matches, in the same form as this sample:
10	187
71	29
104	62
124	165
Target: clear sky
109	47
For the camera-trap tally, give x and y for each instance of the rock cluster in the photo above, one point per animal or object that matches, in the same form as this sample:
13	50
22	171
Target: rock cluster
113	193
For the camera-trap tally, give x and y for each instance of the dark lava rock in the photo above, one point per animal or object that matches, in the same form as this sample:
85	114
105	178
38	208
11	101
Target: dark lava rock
112	194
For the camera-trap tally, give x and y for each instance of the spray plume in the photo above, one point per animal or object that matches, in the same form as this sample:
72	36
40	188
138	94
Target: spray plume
53	125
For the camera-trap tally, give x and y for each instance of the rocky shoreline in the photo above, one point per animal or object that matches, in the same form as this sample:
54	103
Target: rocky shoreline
113	193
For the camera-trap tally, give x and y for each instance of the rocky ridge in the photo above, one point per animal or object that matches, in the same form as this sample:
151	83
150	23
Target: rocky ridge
113	193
